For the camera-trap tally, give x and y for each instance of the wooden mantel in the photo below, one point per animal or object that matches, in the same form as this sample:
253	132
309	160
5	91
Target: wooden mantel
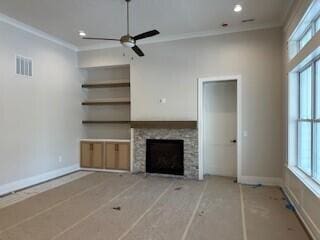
164	124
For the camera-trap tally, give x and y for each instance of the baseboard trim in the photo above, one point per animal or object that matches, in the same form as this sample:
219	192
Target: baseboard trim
268	181
31	181
306	220
104	170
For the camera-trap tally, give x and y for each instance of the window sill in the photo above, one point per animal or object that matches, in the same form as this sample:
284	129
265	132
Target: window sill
306	180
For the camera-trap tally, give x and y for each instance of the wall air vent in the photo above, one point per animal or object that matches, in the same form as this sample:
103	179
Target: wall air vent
24	66
248	20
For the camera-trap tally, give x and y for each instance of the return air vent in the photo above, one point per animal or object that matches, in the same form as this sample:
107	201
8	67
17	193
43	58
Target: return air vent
24	66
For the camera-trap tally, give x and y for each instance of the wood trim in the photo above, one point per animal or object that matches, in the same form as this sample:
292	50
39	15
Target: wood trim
165	124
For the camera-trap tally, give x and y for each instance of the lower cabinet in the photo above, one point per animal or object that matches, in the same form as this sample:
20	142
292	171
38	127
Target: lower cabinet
105	155
92	154
117	156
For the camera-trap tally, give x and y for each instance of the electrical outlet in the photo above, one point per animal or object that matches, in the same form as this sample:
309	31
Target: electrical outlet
60	159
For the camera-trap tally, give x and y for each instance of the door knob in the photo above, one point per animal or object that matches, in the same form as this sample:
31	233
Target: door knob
234	141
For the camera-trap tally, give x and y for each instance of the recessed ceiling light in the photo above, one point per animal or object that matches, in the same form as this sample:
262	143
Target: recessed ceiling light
237	8
82	33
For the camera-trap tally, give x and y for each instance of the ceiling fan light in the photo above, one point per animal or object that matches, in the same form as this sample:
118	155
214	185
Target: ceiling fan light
128	44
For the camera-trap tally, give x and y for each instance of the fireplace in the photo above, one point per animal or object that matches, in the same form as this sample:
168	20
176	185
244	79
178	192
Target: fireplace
189	136
165	156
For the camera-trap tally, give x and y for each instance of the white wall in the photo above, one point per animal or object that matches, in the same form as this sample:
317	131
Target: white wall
170	70
40	117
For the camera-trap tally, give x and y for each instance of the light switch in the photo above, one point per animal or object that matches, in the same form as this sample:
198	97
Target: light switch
245	133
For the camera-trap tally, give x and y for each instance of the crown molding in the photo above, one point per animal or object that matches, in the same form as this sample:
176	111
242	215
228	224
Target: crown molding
287	12
177	37
36	32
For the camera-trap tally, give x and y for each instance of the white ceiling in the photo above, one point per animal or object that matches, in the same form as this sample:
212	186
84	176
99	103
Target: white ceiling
173	18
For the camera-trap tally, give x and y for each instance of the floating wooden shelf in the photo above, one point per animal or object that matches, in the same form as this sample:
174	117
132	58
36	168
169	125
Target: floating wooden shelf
165	124
107	84
105	122
110	101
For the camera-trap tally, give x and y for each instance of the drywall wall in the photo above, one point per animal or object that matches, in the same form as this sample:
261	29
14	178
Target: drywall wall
40	117
305	200
170	70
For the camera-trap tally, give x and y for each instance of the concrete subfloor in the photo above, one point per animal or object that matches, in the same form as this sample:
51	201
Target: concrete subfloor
133	207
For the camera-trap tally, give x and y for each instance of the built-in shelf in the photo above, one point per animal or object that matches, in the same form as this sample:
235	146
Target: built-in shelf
106	103
110	101
107	84
105	122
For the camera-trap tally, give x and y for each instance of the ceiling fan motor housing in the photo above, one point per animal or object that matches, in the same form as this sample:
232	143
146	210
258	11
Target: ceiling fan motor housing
128	41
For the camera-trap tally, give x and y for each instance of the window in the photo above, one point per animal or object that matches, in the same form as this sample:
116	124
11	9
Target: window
308	159
318	24
303	143
306	37
305	120
317	122
305	30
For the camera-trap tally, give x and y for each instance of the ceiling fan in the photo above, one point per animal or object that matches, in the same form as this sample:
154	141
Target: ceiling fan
128	40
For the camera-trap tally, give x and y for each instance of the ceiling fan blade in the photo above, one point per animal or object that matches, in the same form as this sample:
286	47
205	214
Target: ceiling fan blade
138	51
104	39
146	35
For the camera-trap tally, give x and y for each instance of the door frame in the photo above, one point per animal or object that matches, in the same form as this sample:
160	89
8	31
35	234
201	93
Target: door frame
201	82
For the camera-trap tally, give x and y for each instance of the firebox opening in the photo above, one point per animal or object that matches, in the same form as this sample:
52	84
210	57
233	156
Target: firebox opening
165	156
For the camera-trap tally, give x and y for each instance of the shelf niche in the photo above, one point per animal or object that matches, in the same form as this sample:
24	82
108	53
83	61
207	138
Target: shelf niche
106	102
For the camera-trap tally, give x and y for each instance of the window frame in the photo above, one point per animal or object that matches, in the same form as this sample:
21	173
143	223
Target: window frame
313	27
309	28
315	24
314	120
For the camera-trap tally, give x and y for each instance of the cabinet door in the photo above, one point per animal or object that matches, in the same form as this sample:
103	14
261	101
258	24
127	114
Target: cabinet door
110	156
85	155
97	155
92	155
123	156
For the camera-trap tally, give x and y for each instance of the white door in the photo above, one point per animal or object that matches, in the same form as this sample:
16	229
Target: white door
220	128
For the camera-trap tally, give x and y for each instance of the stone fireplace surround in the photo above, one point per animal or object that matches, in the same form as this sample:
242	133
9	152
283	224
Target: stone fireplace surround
188	135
